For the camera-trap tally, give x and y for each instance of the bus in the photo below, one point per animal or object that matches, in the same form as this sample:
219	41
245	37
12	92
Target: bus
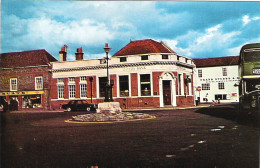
249	87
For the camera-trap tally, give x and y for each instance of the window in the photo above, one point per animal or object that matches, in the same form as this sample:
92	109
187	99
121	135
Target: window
144	57
83	79
200	73
71	80
164	56
71	91
102	84
124	86
186	60
38	83
178	58
13	84
220	97
123	59
206	86
145	85
83	90
221	85
224	71
60	91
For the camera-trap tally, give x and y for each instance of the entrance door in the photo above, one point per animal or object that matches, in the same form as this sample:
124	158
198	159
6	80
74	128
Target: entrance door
167	92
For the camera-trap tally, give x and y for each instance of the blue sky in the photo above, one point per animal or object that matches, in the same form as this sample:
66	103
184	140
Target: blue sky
192	29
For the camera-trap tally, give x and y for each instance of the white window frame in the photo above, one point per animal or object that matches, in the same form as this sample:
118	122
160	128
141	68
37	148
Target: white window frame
60	91
205	86
224	71
72	91
13	86
38	84
200	73
83	90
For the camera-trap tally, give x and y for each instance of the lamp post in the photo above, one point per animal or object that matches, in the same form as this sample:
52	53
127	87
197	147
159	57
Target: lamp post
109	85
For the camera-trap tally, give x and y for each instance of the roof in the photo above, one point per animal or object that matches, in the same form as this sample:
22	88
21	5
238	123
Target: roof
25	58
218	61
144	47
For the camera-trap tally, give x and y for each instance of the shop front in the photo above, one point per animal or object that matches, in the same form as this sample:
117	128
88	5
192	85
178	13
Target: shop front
25	99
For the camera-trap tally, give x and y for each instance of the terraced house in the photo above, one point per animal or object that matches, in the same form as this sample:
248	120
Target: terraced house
144	73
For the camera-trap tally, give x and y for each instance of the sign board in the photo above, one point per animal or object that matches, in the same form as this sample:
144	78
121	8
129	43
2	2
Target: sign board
199	88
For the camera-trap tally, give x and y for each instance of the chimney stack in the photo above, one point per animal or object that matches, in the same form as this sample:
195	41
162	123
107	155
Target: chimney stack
63	53
79	54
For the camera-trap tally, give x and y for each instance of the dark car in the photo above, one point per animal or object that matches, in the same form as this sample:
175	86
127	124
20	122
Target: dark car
79	105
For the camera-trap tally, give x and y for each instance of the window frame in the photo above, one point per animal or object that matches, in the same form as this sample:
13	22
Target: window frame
41	84
148	83
72	91
205	86
221	85
83	90
123	59
60	91
224	71
200	73
165	56
11	84
125	83
144	57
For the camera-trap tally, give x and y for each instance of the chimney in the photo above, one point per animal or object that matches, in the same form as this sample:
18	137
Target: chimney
63	53
79	54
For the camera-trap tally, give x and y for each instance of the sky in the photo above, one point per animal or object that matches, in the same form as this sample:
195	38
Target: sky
191	29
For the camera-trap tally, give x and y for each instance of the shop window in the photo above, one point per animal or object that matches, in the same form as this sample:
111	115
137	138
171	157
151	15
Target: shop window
123	59
206	86
200	73
145	85
13	84
124	86
38	83
221	85
144	57
72	91
224	71
31	101
102	85
60	91
220	97
83	90
165	56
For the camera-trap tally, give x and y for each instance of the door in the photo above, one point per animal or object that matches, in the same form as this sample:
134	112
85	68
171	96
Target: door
167	92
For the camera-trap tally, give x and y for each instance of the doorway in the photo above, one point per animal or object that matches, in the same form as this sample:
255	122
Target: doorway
167	98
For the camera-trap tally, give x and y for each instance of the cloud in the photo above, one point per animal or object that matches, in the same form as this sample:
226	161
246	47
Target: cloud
246	19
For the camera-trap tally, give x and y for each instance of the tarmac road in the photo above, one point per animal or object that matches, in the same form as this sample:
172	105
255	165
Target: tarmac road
205	137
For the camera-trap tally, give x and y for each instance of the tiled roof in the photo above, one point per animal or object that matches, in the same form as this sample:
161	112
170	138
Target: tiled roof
144	47
218	61
25	58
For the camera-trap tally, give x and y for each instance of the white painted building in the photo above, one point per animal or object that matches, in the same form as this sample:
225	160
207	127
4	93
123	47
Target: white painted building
215	79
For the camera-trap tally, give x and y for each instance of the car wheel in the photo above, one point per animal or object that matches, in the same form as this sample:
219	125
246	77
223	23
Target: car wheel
68	109
88	109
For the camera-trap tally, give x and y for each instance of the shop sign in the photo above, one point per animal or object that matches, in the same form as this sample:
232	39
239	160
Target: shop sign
21	93
134	68
223	79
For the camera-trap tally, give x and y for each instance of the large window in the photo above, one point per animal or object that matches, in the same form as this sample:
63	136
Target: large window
60	91
124	86
102	84
38	83
200	73
72	91
145	85
221	85
83	90
206	86
13	84
224	71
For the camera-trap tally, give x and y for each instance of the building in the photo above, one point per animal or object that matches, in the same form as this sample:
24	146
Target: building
25	77
217	79
144	73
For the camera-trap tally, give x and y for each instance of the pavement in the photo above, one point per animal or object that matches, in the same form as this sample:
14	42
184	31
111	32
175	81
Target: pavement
40	110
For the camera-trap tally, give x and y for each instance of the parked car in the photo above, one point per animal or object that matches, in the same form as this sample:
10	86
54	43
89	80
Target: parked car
79	105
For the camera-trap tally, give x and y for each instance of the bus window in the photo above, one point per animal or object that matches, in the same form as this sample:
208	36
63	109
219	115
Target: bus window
251	55
252	85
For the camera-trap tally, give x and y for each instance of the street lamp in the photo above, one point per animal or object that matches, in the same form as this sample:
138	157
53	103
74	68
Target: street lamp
109	85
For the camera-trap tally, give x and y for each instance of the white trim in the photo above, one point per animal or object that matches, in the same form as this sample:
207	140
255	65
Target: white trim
35	82
15	84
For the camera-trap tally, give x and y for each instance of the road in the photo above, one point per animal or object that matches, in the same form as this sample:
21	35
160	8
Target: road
206	137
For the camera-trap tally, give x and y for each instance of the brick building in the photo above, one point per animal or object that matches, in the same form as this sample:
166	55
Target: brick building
217	79
145	73
25	77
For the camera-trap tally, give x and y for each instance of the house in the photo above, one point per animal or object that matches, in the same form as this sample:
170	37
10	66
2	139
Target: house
217	79
25	77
